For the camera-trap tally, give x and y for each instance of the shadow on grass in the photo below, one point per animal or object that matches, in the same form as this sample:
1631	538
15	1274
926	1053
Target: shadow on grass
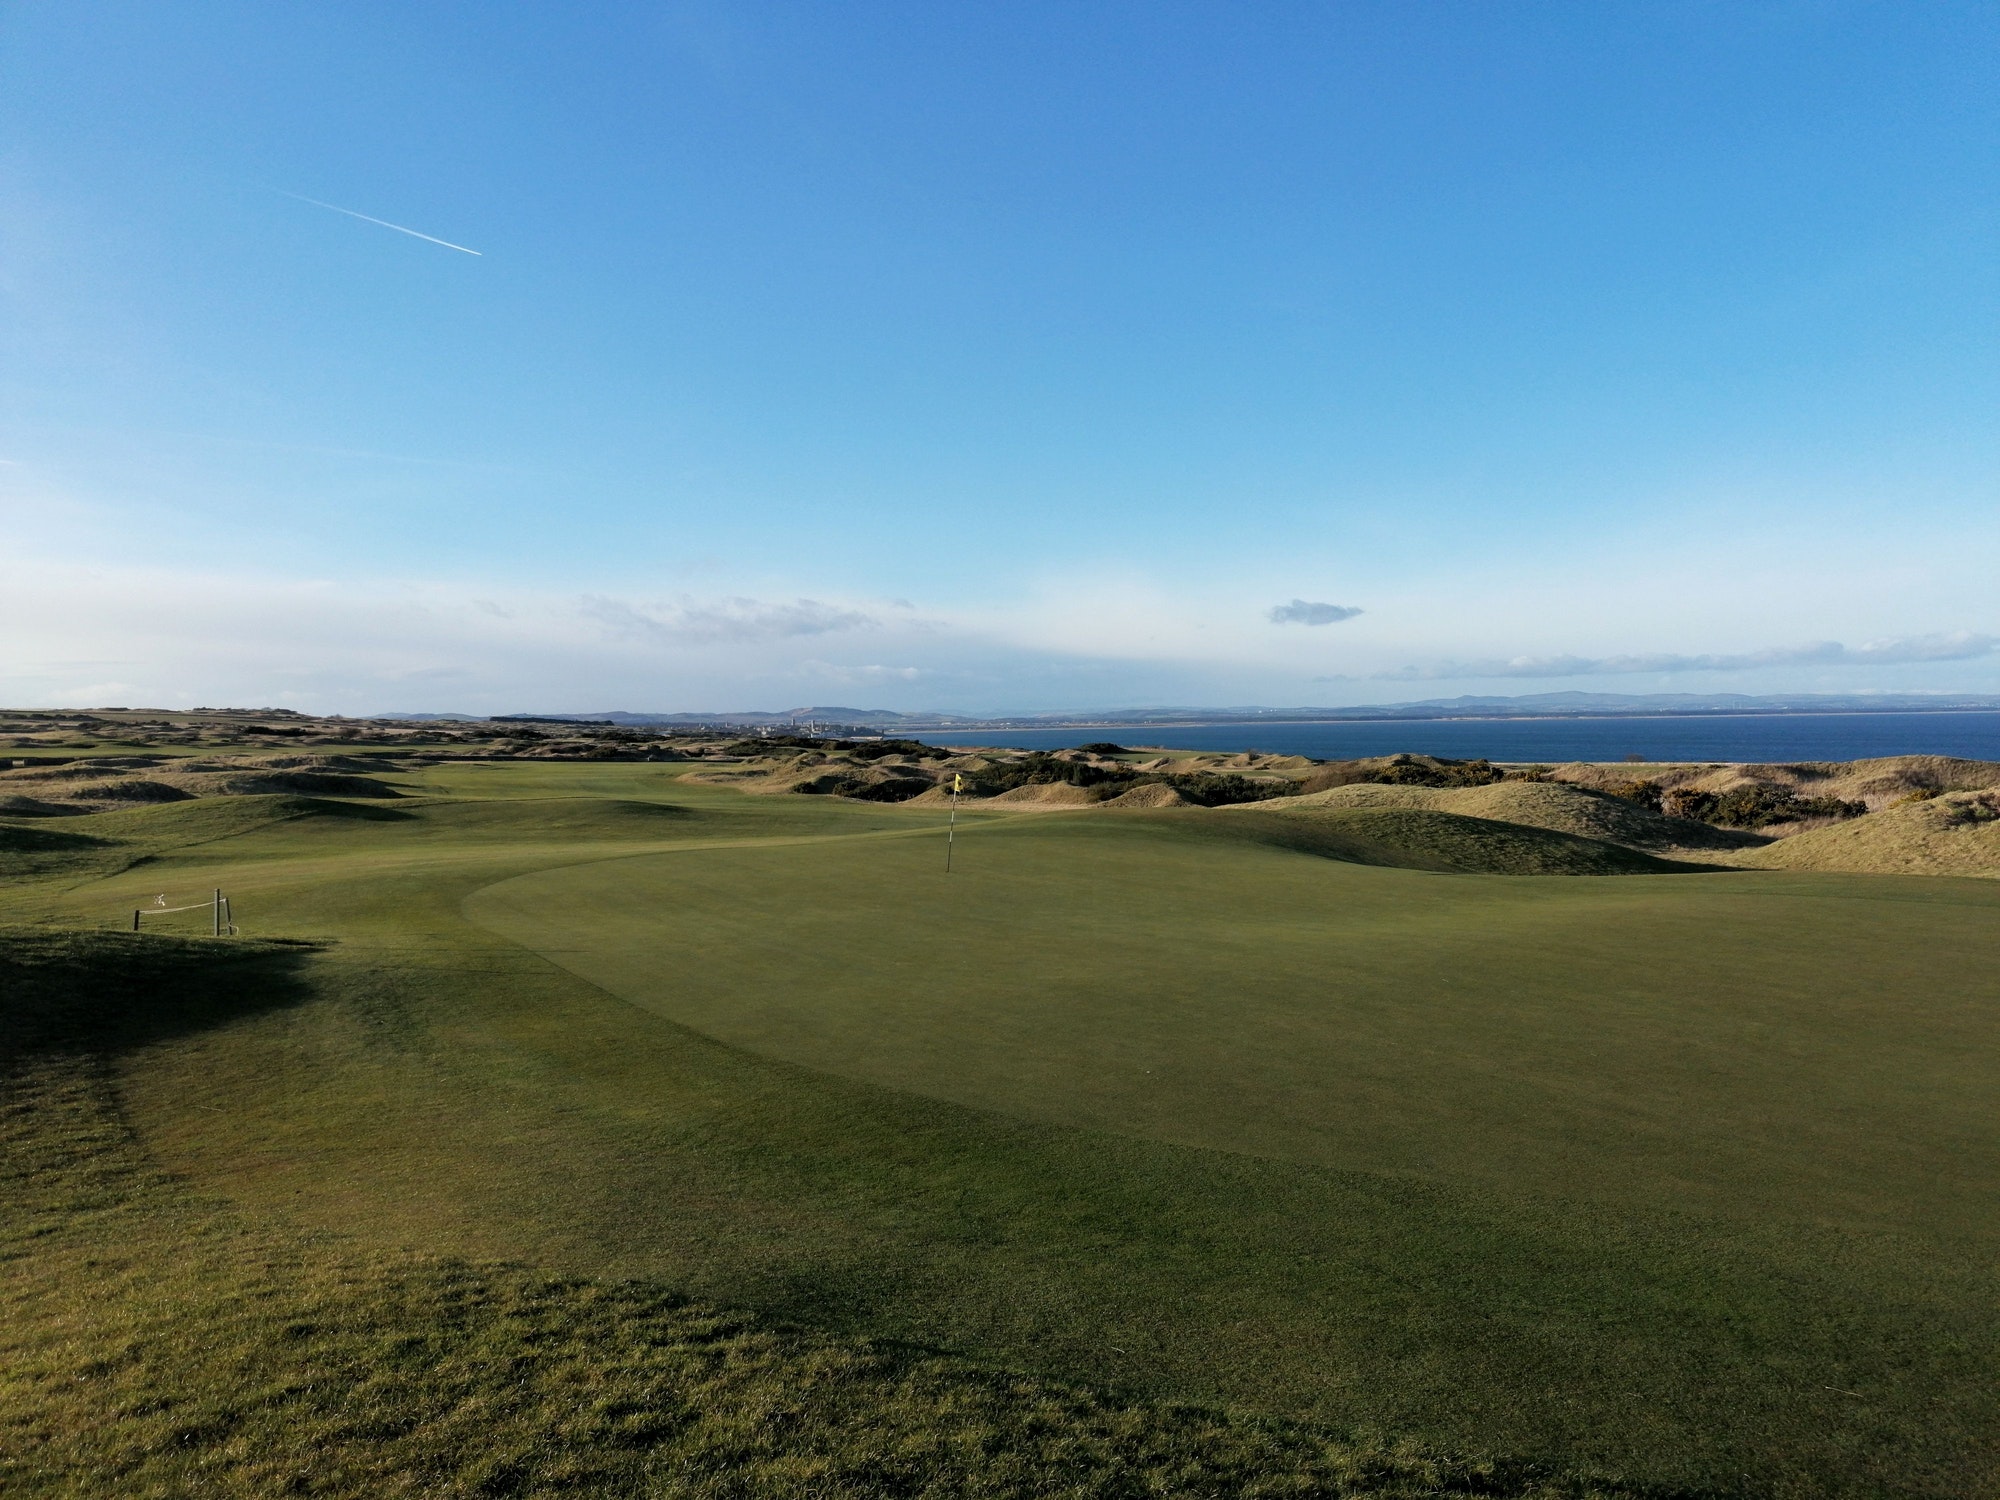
362	812
16	839
103	993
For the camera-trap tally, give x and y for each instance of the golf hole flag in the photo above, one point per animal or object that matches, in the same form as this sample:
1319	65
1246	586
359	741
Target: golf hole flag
951	827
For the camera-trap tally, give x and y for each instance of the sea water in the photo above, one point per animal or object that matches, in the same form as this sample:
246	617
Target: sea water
1655	737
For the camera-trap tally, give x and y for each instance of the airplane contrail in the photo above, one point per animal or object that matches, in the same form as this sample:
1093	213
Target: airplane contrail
370	218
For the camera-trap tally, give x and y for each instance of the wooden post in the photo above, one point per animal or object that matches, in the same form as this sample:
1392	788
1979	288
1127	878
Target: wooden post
135	919
218	913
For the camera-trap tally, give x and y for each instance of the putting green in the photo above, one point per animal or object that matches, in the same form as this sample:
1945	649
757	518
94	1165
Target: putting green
1818	1047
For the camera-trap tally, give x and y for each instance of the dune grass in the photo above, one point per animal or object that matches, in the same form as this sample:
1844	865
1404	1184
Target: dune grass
1683	1180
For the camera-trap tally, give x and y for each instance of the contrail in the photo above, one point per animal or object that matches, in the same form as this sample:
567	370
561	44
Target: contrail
370	218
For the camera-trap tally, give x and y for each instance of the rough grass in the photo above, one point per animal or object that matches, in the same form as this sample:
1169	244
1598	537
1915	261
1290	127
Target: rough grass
1551	806
1878	781
1953	834
1688	1180
1421	839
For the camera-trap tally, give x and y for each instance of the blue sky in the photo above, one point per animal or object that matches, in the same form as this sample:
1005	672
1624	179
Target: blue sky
995	356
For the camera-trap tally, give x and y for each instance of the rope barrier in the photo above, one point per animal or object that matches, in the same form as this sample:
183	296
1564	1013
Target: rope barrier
218	906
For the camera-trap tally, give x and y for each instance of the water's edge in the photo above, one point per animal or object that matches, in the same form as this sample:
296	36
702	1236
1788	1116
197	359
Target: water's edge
1653	737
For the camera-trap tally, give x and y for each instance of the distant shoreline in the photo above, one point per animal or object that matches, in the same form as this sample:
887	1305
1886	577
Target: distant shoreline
984	726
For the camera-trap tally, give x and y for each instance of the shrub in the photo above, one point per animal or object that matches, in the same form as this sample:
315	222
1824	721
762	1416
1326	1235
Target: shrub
1040	769
1755	806
1981	809
878	749
847	784
1409	771
1644	793
1215	789
762	743
897	789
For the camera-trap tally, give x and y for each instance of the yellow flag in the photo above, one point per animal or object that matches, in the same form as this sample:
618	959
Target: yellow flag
957	783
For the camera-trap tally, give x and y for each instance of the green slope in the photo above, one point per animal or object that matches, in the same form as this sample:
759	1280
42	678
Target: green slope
1682	1178
1426	839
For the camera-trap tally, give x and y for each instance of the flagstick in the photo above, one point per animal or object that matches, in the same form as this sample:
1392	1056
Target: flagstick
951	827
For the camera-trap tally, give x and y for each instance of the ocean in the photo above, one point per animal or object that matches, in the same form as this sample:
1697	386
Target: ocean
1657	737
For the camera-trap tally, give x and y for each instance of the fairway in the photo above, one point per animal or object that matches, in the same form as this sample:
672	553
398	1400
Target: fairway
1684	1179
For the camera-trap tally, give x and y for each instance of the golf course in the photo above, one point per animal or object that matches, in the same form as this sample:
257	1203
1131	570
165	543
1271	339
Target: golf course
582	1127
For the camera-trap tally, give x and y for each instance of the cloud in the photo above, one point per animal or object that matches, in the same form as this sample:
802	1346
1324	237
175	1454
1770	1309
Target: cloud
866	673
1306	612
1904	651
90	694
735	621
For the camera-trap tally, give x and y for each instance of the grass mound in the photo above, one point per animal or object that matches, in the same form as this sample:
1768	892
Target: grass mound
205	819
307	783
1048	794
1474	845
1420	839
1954	834
99	843
569	820
1878	781
1550	806
123	789
16	805
112	781
158	1344
1152	794
36	850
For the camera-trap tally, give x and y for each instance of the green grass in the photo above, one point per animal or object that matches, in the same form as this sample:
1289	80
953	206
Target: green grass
1688	1179
155	1343
1424	839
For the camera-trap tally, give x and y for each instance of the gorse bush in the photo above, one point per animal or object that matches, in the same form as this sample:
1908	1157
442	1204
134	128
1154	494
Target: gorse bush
879	749
1442	773
1041	769
1412	770
1217	789
1643	793
1208	788
1755	806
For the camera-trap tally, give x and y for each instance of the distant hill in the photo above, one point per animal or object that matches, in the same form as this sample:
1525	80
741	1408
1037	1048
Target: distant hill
1525	706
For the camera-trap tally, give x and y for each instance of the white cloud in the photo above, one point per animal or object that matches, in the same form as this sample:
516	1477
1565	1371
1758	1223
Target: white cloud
77	635
1306	612
1958	646
741	620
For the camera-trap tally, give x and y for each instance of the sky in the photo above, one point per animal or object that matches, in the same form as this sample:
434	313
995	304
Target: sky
994	357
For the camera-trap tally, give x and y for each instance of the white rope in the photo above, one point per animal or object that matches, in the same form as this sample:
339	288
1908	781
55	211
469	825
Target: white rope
161	911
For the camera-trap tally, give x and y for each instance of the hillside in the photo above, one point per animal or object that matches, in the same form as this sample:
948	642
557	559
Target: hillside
1552	806
1954	834
1877	782
1415	837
